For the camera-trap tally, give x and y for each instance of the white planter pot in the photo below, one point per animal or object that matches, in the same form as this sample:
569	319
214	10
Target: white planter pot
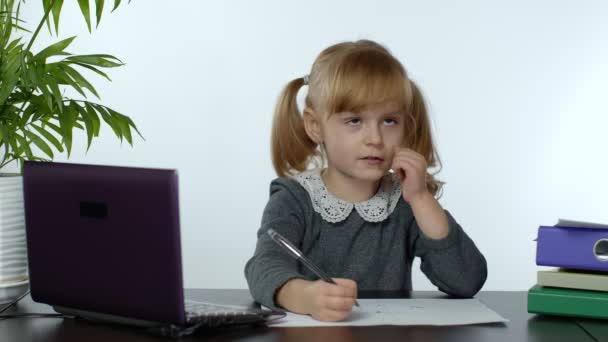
13	253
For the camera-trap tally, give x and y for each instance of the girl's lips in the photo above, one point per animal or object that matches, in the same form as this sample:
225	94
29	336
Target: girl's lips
372	160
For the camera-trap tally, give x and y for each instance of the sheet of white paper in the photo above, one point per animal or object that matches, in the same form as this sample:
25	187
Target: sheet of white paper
405	312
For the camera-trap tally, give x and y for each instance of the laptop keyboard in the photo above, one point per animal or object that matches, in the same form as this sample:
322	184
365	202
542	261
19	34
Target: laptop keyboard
216	315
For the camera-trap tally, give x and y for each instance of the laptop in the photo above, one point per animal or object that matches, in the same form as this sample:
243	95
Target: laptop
103	243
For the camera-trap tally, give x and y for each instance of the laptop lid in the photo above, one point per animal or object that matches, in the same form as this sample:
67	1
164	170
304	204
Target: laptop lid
104	239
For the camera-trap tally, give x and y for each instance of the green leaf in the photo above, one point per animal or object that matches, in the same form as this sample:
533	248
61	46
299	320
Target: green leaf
6	31
48	136
78	78
53	126
116	4
123	123
7	86
132	124
42	145
98	10
101	60
13	44
3	133
94	117
95	70
88	122
46	95
63	78
54	87
109	120
30	77
46	4
84	8
67	121
55	49
9	72
24	145
9	139
22	28
56	10
11	114
27	114
42	109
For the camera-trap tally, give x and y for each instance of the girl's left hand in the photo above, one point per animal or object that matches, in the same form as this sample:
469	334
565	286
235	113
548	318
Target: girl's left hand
410	166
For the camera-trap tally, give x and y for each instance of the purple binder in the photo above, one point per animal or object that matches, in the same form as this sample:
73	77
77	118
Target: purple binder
576	248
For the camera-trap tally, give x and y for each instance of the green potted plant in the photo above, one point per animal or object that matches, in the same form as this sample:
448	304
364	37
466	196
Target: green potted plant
37	118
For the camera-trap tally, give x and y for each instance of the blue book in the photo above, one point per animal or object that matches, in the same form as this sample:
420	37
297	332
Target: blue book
573	247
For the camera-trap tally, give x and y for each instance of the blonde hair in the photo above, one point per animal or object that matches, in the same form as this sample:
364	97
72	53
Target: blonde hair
350	76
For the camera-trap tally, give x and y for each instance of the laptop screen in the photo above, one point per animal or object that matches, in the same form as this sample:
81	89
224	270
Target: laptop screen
104	239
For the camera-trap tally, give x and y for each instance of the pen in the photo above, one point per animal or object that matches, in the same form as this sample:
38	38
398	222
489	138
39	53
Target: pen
294	252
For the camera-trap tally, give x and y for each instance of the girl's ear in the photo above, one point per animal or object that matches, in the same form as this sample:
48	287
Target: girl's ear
312	125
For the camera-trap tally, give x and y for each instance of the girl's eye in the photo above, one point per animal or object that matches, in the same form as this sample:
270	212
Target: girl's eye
390	122
353	121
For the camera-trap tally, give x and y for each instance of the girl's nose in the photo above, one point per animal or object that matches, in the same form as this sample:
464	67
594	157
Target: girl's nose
373	135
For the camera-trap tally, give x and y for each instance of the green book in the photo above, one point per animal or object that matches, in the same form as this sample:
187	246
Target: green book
567	302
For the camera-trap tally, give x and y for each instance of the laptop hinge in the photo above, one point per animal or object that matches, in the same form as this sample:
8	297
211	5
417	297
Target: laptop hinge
98	316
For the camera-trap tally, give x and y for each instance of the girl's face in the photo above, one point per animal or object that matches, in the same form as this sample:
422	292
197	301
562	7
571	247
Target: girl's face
361	145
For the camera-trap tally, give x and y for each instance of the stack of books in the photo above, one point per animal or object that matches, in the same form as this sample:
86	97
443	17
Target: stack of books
578	286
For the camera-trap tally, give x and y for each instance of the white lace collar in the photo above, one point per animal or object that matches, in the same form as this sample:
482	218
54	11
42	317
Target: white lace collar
333	209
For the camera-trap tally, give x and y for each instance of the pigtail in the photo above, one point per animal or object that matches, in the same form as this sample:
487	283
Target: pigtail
420	139
291	147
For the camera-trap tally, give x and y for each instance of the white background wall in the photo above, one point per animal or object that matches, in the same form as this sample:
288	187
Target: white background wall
517	93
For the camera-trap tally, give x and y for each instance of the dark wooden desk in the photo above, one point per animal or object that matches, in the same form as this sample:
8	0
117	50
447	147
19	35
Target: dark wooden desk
511	305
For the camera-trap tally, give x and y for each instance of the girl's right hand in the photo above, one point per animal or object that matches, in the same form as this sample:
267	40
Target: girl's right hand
330	302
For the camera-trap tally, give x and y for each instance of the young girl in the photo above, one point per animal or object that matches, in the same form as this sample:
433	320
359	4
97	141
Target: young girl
355	219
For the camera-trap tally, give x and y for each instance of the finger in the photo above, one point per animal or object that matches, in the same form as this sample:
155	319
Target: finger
349	284
332	315
409	165
397	151
417	157
401	168
346	282
398	172
400	152
406	152
341	291
395	163
411	171
340	303
411	156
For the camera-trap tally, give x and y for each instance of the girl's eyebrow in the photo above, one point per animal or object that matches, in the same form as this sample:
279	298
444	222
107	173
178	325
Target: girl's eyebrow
397	112
347	114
